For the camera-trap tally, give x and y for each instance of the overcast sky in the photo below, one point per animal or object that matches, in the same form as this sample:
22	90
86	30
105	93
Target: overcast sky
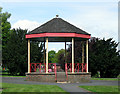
97	17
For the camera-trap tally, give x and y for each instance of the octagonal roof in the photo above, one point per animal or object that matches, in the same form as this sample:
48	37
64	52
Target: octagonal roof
57	25
58	30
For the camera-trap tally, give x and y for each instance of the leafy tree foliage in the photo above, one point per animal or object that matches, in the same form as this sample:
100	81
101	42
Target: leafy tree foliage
4	32
16	49
51	56
61	58
77	52
5	26
36	52
16	52
104	57
92	68
55	57
58	57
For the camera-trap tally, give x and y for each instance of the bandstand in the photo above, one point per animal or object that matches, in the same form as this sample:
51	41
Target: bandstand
58	30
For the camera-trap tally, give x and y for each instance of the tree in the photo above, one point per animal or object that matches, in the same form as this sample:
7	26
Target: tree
16	49
5	26
104	57
36	52
4	32
92	64
51	56
16	52
77	52
61	58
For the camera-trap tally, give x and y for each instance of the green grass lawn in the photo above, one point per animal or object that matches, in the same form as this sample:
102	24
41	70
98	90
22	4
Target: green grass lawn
0	68
6	74
103	89
7	87
10	76
106	79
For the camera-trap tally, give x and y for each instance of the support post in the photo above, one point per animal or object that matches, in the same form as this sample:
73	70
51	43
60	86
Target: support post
65	53
46	55
87	54
82	55
28	56
44	52
72	55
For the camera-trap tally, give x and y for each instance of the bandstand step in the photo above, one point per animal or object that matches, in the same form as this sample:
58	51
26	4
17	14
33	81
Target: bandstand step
61	77
62	82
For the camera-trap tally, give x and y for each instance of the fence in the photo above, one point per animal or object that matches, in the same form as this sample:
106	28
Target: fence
40	67
78	67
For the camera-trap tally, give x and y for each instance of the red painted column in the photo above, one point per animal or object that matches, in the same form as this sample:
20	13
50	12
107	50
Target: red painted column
78	67
30	67
55	70
35	66
82	67
66	71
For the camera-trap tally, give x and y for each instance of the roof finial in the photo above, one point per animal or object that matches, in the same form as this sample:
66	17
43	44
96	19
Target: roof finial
57	16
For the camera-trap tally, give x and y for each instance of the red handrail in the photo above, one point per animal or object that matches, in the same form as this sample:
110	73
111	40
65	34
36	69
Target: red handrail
82	67
55	70
66	71
40	68
86	67
30	67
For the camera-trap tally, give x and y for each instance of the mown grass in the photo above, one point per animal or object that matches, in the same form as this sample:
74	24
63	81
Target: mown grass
6	74
10	76
106	79
102	89
8	87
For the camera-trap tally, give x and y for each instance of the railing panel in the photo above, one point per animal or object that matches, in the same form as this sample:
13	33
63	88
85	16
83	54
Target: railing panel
37	67
78	67
40	67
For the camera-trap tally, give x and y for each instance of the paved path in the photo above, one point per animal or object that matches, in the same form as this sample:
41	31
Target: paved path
21	80
69	87
73	89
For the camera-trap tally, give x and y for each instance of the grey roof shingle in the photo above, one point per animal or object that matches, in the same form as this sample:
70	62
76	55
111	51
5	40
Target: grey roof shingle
57	25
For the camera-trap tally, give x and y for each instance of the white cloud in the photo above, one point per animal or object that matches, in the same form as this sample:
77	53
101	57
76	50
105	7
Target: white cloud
98	21
26	24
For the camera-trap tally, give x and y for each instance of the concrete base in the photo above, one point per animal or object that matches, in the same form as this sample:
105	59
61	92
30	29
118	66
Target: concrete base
50	77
